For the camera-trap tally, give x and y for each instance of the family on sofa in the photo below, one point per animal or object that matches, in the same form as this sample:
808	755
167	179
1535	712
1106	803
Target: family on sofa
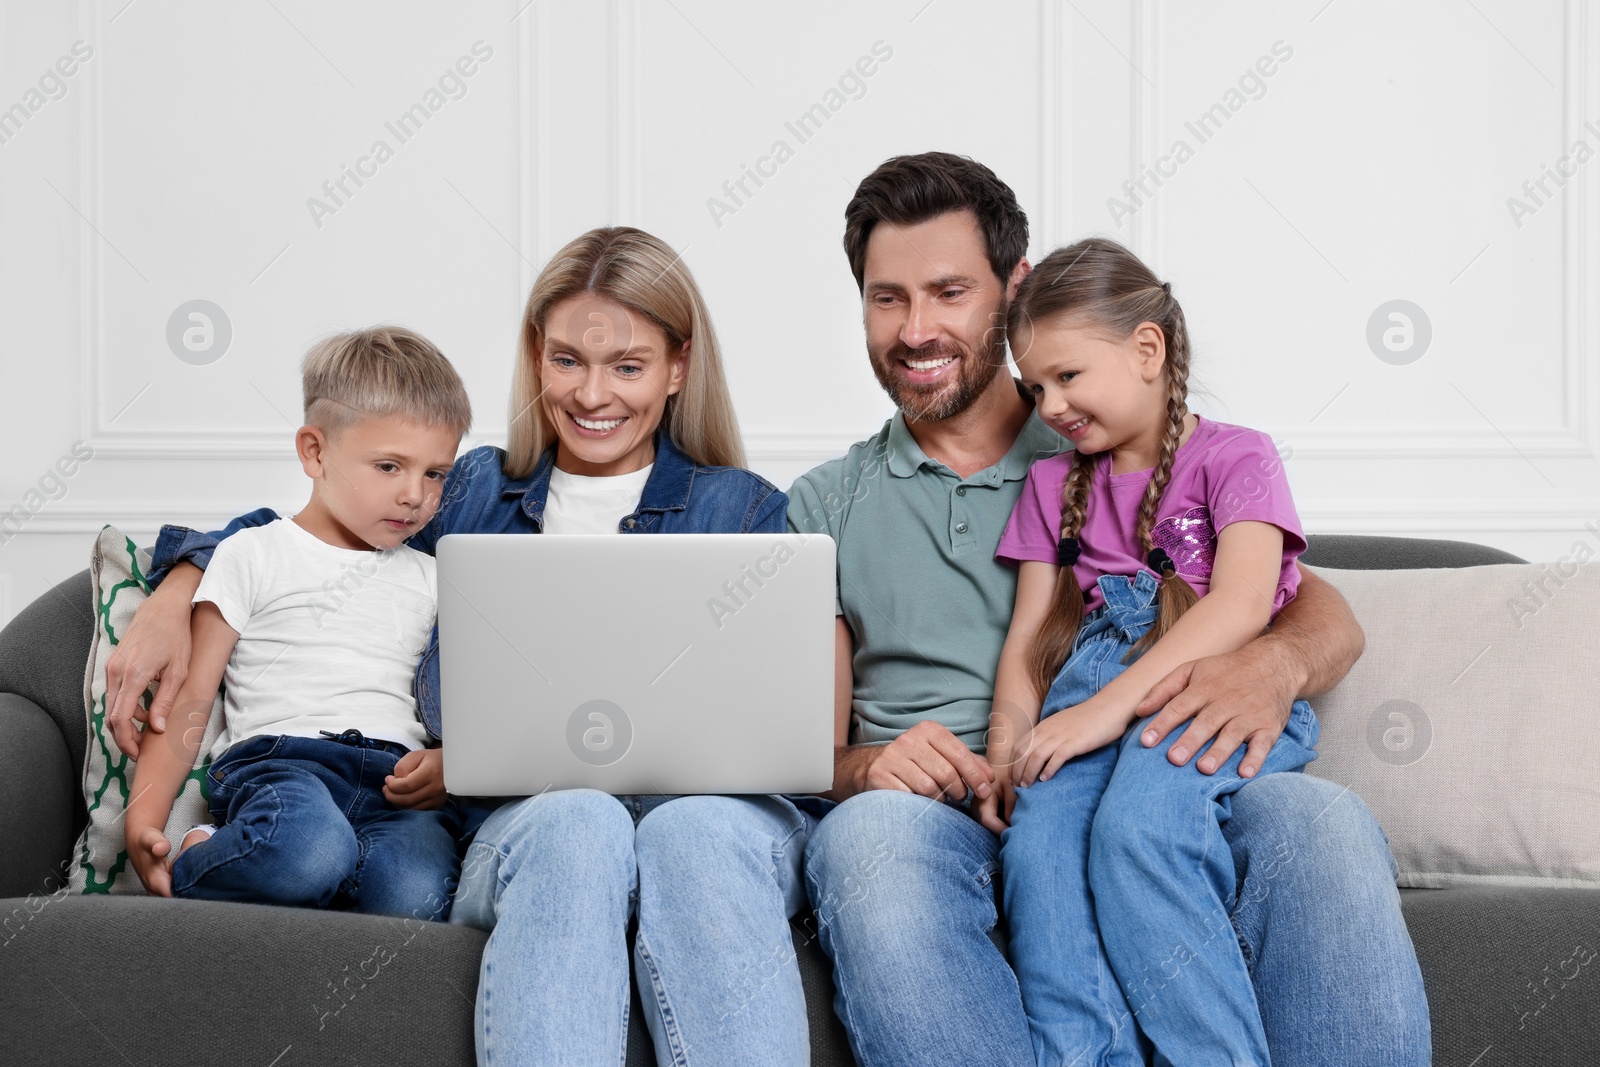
1073	643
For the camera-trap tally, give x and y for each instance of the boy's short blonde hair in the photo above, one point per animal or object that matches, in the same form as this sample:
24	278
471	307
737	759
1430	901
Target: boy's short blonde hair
378	372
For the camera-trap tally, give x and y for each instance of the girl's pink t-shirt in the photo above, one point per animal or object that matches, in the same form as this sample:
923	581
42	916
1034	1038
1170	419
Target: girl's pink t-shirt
1222	474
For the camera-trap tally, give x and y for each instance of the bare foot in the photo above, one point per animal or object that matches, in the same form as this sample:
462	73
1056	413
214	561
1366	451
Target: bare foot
194	837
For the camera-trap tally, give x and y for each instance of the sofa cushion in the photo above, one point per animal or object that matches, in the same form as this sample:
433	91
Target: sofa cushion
145	980
117	574
192	981
1513	975
1467	725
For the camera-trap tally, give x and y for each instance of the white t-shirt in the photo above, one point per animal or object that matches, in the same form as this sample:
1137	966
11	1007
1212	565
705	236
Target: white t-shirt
329	637
584	504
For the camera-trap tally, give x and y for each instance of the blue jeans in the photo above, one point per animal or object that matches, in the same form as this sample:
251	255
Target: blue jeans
304	823
1122	836
904	892
713	881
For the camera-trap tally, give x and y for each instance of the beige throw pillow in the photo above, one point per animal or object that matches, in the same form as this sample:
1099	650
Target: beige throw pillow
1468	726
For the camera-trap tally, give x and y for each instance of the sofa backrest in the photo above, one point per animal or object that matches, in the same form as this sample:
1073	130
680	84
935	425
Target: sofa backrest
44	649
1361	552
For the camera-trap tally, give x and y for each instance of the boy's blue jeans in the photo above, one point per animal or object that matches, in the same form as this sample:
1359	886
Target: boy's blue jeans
304	823
1119	882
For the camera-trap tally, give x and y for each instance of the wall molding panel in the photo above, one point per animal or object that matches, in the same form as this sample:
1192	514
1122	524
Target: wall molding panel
96	415
1393	138
1577	433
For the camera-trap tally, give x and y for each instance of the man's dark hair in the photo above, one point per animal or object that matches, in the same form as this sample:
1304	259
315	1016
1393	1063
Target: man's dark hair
910	189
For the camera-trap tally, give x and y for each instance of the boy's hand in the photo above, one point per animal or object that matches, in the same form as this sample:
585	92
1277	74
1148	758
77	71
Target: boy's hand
148	850
418	780
1069	732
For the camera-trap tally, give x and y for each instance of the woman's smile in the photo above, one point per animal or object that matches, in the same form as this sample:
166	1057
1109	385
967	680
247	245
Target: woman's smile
596	427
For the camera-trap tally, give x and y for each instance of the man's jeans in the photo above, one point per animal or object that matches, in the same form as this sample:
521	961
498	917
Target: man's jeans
305	823
713	879
1146	837
904	892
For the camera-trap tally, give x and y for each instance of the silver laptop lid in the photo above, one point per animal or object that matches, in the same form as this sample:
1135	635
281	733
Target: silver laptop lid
667	663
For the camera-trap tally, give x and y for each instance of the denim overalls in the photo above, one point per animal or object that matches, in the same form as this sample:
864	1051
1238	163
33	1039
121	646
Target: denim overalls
1111	829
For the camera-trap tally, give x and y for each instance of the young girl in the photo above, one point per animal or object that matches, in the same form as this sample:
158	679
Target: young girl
1161	538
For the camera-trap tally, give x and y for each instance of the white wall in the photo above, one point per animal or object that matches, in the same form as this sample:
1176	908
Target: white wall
1375	163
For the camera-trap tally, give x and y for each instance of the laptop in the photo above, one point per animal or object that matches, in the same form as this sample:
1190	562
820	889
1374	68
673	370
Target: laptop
668	663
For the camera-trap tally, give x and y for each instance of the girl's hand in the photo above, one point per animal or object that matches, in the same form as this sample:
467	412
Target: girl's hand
1070	732
1216	668
417	781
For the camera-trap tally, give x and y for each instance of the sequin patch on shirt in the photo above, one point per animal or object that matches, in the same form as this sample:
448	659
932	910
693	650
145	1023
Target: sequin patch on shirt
1189	540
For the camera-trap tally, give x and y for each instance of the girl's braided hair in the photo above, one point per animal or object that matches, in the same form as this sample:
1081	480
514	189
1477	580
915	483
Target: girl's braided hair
1103	283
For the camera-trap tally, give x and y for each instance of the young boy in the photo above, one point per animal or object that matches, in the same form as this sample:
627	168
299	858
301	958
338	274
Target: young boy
322	783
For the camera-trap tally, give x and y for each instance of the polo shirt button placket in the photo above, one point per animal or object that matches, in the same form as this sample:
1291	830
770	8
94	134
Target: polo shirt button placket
960	540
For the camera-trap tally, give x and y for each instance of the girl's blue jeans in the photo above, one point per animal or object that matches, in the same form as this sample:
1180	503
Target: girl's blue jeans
305	823
1119	882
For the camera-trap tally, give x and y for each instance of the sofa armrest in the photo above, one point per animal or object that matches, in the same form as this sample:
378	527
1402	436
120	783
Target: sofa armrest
37	790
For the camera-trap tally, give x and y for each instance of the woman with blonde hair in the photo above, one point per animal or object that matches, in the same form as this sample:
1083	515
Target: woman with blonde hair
621	423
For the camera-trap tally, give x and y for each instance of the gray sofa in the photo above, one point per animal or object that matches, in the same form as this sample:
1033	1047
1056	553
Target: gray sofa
132	980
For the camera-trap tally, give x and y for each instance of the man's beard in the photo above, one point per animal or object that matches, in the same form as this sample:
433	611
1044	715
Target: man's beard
949	397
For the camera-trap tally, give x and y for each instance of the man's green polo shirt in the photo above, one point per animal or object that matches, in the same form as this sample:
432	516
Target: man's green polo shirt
918	581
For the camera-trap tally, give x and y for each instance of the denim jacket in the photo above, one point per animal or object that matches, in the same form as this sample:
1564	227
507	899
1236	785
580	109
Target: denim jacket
680	497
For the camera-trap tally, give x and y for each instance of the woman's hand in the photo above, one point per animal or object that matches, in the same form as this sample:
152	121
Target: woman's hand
154	651
1070	732
417	781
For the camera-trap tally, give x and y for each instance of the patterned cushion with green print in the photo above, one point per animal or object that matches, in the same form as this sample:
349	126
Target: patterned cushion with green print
118	573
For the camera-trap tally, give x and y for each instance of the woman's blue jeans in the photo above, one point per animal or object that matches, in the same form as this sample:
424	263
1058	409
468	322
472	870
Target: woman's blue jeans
1119	881
713	881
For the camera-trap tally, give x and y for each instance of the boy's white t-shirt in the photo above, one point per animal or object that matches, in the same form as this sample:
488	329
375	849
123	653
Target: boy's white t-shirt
329	637
584	504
